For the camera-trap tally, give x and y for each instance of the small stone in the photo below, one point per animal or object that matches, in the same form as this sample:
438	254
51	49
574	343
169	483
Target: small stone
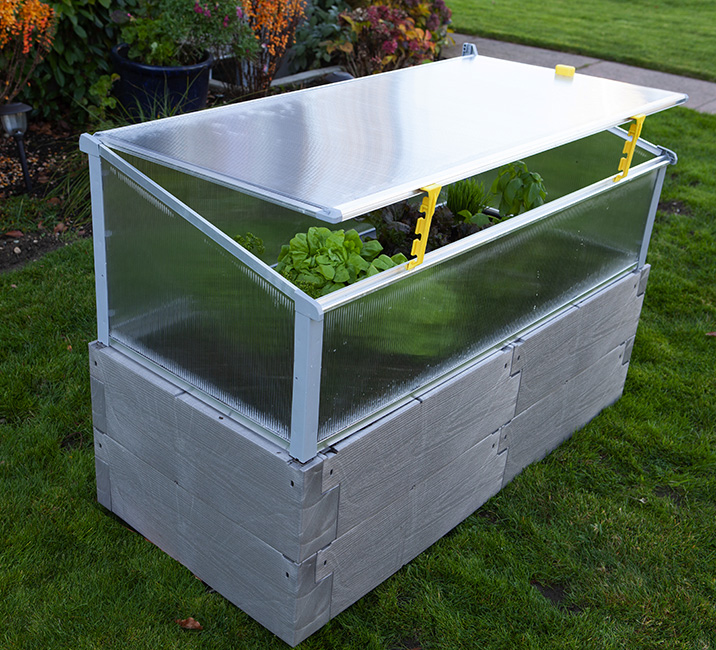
16	250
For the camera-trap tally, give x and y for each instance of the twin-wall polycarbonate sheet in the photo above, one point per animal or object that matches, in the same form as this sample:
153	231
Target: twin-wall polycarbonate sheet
184	302
233	212
343	149
378	348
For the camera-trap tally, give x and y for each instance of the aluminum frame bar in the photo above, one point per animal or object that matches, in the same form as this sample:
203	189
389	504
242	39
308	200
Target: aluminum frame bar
304	303
369	285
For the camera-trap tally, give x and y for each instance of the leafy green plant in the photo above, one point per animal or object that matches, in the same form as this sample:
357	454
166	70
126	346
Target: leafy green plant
79	57
251	243
178	32
320	260
467	199
432	15
380	38
518	189
322	24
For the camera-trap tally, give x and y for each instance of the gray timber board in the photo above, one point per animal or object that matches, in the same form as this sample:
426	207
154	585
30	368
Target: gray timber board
381	544
387	459
574	340
293	544
533	433
283	595
196	446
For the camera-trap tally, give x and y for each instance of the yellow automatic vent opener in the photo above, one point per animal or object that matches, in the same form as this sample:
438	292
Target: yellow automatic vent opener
422	227
630	146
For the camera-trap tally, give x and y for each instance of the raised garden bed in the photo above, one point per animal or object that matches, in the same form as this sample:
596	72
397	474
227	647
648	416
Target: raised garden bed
330	440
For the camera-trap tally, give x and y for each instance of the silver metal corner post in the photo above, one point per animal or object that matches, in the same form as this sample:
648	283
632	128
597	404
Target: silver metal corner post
307	354
90	145
649	227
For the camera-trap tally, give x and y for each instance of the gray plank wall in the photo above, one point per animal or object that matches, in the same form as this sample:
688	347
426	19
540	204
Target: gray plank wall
295	544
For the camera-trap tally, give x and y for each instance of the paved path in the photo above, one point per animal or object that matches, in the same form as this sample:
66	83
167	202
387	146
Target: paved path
702	94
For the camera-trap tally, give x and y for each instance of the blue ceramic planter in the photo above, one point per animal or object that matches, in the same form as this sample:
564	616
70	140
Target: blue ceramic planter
148	90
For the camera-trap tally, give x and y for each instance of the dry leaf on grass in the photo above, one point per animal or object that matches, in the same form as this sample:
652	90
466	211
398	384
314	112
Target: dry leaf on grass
189	623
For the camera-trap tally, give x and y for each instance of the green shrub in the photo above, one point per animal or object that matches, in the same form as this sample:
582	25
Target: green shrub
79	57
322	24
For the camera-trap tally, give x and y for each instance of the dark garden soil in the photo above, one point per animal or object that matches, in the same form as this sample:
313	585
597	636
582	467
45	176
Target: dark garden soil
47	147
15	253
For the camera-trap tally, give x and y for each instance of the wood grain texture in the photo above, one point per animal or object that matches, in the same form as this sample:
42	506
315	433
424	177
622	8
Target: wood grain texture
104	488
99	409
628	349
216	458
371	551
562	347
608	319
280	594
383	462
532	434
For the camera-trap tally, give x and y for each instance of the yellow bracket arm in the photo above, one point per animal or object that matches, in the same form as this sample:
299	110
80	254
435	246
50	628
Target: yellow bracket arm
630	146
422	228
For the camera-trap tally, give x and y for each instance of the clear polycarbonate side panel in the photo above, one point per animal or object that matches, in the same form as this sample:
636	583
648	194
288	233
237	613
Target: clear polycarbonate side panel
185	303
575	165
388	343
234	212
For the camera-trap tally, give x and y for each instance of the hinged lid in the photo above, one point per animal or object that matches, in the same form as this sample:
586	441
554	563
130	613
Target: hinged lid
340	150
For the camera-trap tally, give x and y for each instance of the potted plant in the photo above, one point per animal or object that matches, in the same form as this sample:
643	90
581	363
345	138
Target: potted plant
167	50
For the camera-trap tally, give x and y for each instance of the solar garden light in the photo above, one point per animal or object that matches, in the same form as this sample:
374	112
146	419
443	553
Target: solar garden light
14	121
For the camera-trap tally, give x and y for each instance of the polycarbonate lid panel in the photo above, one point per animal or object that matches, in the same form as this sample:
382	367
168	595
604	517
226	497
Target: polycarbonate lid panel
340	150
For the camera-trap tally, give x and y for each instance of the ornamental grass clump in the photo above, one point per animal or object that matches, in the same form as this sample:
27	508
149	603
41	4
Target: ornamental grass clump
27	28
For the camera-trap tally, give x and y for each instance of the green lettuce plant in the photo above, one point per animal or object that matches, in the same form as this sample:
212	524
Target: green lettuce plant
320	261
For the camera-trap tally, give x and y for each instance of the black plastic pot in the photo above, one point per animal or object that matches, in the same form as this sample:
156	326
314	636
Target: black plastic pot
146	91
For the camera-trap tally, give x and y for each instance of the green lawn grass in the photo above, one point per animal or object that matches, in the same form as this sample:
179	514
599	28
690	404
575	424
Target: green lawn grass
676	36
618	525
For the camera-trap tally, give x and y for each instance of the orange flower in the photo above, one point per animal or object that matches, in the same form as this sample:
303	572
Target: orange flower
273	23
26	31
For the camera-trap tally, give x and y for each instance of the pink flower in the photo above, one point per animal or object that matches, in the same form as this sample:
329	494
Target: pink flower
226	21
389	47
197	8
239	12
